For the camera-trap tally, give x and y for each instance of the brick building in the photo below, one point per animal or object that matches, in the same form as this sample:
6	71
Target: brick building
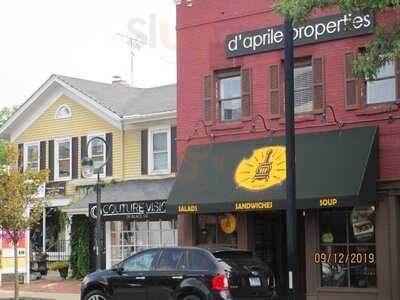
230	189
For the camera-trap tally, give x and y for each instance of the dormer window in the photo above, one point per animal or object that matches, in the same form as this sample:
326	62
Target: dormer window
63	112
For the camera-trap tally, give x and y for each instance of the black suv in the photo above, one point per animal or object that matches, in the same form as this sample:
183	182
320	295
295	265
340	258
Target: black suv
183	273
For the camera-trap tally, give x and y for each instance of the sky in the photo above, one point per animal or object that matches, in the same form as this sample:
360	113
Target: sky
78	38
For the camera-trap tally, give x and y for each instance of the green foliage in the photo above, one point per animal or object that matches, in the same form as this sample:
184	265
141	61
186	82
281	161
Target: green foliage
57	265
386	44
5	113
17	190
81	245
19	209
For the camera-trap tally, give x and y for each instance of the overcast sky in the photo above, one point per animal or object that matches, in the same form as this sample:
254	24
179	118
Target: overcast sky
78	38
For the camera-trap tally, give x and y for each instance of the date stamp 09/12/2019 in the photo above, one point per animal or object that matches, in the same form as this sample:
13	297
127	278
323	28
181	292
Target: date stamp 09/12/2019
344	258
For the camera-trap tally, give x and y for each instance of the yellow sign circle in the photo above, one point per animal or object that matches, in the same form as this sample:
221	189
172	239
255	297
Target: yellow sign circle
264	169
228	223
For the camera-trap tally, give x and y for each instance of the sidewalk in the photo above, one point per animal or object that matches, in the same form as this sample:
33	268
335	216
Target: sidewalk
42	296
50	287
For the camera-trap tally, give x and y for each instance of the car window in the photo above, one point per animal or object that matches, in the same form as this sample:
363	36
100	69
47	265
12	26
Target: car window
141	261
244	261
200	261
172	259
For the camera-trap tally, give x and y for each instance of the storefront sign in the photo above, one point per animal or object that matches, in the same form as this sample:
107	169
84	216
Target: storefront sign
188	208
263	205
313	31
228	223
54	189
129	210
328	202
264	169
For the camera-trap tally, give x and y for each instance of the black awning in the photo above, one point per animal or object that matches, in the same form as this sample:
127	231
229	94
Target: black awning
334	169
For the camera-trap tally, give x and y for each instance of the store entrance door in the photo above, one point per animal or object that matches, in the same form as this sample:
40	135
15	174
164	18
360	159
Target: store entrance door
270	245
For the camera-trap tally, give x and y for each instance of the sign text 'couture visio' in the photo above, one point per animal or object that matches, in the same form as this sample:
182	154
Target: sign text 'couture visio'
137	209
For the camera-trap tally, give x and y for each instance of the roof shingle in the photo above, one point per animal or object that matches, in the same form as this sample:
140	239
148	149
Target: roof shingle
126	100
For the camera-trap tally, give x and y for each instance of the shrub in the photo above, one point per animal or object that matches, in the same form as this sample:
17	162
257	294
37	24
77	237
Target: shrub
57	265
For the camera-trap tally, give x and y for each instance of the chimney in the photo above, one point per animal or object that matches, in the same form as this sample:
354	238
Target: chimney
117	80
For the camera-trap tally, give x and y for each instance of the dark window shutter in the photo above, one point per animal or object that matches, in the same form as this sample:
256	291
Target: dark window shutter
246	92
274	91
84	150
75	158
207	95
173	149
21	157
318	84
397	61
144	151
352	99
42	155
109	166
51	160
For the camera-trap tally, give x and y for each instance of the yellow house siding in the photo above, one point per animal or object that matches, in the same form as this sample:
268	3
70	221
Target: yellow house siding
82	123
132	167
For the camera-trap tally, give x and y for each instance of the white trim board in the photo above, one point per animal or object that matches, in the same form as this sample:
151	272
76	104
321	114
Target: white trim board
52	90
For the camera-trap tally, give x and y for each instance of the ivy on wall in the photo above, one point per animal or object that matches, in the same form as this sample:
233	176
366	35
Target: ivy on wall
81	246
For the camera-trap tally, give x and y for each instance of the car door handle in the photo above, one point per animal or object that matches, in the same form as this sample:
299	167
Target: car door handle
141	278
177	277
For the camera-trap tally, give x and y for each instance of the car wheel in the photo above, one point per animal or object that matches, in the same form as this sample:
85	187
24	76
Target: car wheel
191	297
96	295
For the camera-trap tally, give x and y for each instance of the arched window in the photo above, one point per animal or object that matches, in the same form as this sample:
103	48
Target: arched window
63	112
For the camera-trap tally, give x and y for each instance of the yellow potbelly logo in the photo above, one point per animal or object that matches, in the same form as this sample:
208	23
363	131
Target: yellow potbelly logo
264	169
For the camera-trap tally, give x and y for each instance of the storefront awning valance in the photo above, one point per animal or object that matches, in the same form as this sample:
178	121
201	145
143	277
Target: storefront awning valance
334	169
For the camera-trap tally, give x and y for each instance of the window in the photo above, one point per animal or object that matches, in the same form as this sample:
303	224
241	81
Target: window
63	112
200	261
230	95
172	260
303	86
141	262
63	159
128	238
97	151
347	248
210	231
32	157
159	150
383	87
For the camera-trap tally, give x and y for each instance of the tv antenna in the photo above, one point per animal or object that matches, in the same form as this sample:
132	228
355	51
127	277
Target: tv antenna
134	44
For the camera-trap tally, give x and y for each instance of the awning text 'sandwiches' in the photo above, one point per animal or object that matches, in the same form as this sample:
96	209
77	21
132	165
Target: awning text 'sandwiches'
334	169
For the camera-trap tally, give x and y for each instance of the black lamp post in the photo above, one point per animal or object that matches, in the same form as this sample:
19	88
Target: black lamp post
88	170
291	220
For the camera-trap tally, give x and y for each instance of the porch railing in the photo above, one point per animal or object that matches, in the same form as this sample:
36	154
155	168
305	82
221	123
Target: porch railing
58	251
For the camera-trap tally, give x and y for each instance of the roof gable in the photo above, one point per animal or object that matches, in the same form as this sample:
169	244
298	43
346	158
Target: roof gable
113	103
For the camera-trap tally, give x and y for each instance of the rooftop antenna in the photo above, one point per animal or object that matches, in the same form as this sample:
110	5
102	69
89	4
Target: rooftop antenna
133	43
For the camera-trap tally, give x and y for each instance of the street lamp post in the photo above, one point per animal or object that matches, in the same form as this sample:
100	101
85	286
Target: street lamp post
291	220
88	170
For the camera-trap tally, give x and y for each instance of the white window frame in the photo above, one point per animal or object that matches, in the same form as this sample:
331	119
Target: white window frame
153	131
298	110
89	150
57	116
26	145
56	159
373	101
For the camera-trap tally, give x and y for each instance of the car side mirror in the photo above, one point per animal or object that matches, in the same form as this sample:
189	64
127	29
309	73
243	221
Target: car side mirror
118	269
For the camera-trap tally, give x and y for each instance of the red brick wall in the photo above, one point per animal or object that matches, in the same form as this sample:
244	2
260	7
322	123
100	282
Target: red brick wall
201	32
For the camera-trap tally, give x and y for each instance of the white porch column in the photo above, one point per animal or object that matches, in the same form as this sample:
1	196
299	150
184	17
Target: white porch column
44	230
